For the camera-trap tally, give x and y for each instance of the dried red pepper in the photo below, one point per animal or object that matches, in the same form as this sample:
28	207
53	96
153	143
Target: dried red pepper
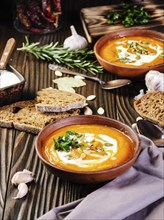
39	15
57	5
47	7
22	15
33	6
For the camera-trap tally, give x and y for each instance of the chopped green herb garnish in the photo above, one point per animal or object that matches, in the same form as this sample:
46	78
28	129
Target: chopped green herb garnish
138	57
124	59
129	15
161	55
66	142
107	144
113	17
72	140
139	47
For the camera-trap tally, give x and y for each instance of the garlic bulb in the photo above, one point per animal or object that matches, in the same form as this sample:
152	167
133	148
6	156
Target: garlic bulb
154	81
75	41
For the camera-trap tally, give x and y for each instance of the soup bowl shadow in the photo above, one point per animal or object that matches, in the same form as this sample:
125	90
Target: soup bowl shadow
84	177
125	71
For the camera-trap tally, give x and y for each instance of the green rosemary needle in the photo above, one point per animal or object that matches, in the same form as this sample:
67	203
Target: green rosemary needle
82	59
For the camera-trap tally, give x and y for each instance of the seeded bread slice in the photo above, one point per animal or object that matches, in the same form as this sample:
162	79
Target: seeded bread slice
151	107
9	112
53	100
24	116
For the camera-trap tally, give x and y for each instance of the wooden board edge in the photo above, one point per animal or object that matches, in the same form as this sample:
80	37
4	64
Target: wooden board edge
87	34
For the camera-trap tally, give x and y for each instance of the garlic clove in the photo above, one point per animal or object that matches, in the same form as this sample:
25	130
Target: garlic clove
79	77
90	97
88	111
75	41
141	93
22	191
100	111
24	176
58	73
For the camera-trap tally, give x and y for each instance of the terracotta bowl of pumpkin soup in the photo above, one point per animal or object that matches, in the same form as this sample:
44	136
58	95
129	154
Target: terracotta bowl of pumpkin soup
87	149
131	53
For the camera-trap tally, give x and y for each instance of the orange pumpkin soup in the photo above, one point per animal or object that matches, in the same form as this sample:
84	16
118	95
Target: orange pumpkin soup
133	51
88	147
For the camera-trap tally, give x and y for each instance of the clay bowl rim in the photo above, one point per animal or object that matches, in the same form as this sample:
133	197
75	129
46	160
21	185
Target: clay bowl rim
90	117
123	33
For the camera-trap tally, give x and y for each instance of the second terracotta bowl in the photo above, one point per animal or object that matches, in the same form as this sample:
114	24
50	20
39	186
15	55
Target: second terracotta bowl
124	71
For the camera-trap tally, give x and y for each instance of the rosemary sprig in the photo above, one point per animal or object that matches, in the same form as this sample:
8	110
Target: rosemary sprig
82	59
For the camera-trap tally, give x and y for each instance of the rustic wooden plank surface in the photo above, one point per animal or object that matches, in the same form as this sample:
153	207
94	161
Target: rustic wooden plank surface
95	24
17	148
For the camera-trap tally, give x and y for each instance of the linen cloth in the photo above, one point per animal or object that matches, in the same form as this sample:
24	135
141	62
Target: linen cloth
137	194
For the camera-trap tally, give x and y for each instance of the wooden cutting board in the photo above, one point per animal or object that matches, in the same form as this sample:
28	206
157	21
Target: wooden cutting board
95	25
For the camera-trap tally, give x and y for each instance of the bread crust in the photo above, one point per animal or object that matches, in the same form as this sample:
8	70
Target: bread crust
24	116
151	107
53	100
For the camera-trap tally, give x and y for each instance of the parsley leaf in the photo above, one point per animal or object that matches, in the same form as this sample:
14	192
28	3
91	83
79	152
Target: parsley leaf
67	141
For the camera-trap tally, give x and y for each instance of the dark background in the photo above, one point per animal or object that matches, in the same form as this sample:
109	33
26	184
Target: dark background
7	8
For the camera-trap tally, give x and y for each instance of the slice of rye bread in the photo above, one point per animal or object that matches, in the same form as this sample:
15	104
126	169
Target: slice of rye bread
24	116
53	100
151	107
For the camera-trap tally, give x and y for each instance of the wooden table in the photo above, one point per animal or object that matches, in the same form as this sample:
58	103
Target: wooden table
17	148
